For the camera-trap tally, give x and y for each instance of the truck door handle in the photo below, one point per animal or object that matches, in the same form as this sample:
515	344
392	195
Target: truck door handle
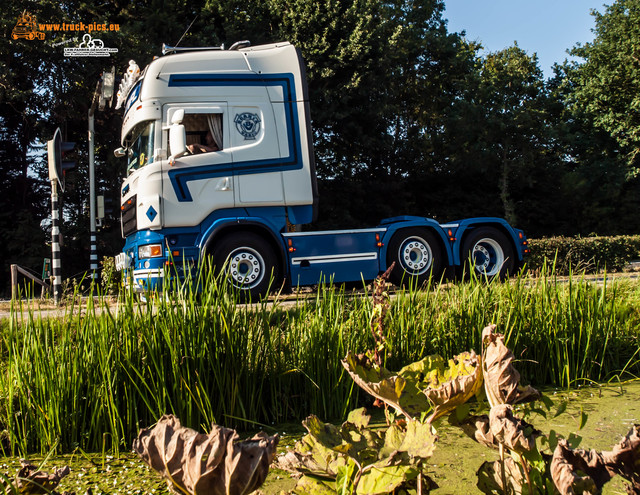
224	184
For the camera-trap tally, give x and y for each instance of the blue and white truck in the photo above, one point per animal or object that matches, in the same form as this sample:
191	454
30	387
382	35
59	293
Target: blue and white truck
221	164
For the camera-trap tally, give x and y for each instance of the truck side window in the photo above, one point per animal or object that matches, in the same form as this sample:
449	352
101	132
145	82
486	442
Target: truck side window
204	132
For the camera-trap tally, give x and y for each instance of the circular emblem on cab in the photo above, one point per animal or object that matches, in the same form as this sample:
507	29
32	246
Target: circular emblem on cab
248	124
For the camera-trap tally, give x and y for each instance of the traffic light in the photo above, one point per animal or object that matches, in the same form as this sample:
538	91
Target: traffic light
57	149
108	206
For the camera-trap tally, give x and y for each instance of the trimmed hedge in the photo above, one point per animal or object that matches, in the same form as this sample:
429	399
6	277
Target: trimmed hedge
588	254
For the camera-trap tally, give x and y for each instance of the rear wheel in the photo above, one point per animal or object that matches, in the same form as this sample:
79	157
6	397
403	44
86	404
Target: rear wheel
417	254
489	253
248	261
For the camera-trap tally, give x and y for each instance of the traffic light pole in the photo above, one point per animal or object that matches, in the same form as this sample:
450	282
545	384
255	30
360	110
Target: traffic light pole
55	243
93	254
102	95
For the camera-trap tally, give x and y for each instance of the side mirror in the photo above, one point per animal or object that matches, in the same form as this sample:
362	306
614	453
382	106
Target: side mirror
178	116
177	141
177	136
120	152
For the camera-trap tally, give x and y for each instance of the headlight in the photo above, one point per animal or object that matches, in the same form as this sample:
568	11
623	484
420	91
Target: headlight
150	251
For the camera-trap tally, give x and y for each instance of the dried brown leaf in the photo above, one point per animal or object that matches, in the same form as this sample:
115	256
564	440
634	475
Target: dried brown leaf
461	381
500	376
514	433
478	428
625	459
567	464
576	471
291	461
30	480
195	463
399	393
490	479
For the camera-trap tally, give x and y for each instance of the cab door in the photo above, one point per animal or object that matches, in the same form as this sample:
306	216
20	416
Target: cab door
256	154
199	182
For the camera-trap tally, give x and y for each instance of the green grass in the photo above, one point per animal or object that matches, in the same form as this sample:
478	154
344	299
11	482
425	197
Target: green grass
92	380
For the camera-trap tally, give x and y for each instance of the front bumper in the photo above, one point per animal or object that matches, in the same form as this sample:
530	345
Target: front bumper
176	261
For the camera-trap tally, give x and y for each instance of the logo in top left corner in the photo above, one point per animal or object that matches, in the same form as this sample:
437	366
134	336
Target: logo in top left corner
27	28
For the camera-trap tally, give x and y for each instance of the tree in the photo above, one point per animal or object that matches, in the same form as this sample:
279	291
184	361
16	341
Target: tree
598	195
607	83
498	139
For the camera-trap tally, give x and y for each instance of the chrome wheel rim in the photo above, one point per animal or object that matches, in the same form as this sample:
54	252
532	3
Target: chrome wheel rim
415	255
488	257
245	268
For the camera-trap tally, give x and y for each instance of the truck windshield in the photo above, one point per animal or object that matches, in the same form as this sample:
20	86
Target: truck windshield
140	145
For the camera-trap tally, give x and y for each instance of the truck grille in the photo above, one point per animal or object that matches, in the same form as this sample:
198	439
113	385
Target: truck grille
128	216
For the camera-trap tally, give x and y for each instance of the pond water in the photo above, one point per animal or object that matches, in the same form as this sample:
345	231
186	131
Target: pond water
612	410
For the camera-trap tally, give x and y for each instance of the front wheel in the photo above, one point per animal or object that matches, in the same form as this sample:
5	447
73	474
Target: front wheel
248	261
417	254
489	253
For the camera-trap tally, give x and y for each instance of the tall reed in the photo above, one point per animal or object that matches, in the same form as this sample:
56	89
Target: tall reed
95	376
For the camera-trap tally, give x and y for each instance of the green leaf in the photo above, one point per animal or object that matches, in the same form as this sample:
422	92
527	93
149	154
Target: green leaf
583	418
547	401
553	440
315	458
379	480
392	441
359	417
562	407
345	477
574	440
330	447
327	434
311	485
539	411
417	440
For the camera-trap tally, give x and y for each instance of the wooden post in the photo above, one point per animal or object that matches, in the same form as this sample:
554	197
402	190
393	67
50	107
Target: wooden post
14	281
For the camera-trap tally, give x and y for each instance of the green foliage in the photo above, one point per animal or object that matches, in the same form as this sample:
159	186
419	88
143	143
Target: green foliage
356	459
583	254
111	279
431	384
98	374
606	86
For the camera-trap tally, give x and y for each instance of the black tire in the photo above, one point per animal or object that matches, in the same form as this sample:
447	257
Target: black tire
249	262
489	253
417	254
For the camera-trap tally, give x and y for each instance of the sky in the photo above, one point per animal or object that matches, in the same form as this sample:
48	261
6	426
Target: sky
545	27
